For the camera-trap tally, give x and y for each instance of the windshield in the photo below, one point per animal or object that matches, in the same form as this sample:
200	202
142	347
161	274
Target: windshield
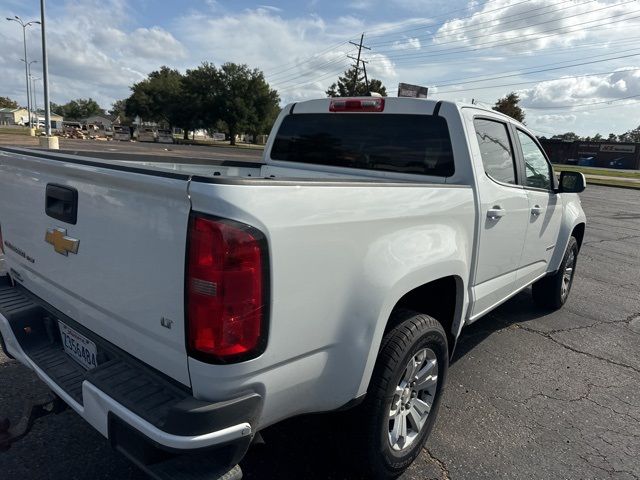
418	144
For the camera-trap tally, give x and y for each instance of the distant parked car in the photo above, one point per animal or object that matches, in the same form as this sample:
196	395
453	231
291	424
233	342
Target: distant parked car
621	162
121	133
146	135
164	136
587	161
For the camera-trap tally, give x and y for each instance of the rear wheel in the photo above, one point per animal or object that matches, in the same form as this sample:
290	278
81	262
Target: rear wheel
553	291
404	394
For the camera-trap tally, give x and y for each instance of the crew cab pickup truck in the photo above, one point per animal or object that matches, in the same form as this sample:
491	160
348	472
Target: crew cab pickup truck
180	309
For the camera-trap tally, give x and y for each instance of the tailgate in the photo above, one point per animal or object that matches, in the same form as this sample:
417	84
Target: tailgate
126	280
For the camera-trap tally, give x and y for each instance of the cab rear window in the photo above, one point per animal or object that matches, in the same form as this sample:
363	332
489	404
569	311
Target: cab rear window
417	144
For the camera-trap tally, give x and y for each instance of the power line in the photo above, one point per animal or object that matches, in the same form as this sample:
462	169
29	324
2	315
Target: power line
479	26
521	39
280	68
539	70
315	80
446	15
566	107
295	76
312	57
538	81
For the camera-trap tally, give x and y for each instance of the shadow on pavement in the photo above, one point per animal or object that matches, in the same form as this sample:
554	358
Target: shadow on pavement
309	447
317	446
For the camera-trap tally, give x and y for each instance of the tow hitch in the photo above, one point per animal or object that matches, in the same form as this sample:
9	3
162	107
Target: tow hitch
32	410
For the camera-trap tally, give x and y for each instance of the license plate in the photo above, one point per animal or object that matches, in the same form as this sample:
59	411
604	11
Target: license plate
78	347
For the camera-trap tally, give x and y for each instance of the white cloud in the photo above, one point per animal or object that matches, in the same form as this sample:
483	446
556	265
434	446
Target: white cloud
554	120
93	51
360	4
532	25
583	90
283	48
407	44
270	7
97	48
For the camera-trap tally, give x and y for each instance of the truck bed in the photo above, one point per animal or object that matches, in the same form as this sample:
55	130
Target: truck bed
216	171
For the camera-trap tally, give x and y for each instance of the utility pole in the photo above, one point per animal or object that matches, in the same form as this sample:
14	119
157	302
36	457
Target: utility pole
366	79
360	47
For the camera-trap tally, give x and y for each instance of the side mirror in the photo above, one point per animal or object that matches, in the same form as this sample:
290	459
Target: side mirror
572	182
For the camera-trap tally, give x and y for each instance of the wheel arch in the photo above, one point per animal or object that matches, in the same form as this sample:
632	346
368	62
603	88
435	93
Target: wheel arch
444	298
578	233
573	224
421	299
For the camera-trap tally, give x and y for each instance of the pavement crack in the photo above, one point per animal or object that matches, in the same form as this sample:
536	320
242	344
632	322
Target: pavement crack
549	336
627	321
626	237
441	465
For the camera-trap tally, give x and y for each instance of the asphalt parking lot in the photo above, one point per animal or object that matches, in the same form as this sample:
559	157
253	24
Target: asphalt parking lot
530	394
131	151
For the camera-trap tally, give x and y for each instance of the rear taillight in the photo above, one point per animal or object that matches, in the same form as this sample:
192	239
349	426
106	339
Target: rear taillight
375	104
226	290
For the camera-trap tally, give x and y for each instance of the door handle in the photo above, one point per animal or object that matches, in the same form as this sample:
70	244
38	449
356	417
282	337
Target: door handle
61	203
537	210
495	212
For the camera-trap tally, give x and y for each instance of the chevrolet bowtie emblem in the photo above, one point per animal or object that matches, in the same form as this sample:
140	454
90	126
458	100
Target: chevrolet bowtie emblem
61	243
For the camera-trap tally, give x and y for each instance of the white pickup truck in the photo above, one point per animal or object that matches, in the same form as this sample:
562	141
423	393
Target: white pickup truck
181	309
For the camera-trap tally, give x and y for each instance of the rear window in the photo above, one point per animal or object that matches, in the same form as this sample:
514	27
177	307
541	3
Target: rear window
418	144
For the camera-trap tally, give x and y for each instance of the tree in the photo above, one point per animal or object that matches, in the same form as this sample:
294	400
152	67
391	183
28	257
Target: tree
201	90
509	106
233	94
631	136
79	108
612	137
347	85
6	102
567	137
159	98
118	109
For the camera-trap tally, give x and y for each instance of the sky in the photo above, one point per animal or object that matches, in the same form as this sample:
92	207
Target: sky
574	63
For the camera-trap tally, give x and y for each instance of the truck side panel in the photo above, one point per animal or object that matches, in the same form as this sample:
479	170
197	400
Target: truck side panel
341	257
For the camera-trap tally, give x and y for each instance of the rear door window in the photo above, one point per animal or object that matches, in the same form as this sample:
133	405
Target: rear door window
496	151
418	144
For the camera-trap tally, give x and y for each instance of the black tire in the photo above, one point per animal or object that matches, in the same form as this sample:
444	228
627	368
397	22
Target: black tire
414	332
548	292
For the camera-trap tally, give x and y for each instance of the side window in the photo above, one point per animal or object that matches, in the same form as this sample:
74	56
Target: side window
537	170
495	148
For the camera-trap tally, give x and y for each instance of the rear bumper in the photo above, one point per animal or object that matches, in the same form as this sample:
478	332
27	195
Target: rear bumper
121	397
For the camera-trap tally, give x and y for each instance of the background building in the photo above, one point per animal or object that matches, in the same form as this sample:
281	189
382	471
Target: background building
105	122
593	154
13	116
20	117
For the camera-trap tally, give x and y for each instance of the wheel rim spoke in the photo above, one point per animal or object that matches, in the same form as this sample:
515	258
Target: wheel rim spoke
415	418
423	408
567	276
413	398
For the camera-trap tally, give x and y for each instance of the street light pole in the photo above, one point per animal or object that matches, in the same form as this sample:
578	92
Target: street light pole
35	98
26	65
30	102
45	74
